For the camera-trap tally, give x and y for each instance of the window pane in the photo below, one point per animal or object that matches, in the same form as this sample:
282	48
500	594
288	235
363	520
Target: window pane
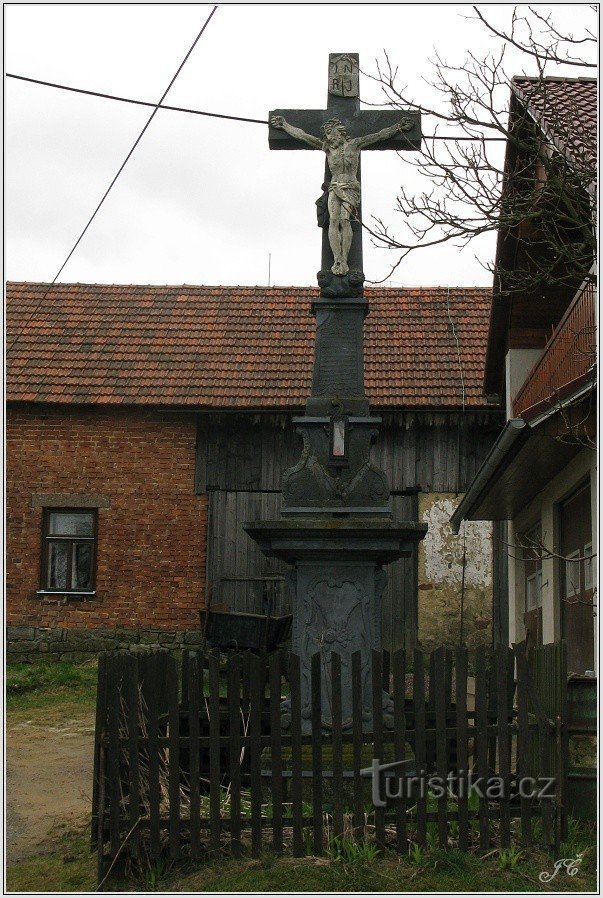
57	565
589	567
572	575
71	523
82	566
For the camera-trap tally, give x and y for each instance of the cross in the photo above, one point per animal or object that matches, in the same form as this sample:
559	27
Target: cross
342	131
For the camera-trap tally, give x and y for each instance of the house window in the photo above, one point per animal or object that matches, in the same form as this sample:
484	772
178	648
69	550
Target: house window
589	567
572	574
532	560
68	550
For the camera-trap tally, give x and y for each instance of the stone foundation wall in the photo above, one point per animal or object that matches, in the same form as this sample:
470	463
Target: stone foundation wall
58	644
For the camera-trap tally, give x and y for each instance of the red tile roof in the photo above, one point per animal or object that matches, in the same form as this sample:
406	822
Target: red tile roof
234	347
566	110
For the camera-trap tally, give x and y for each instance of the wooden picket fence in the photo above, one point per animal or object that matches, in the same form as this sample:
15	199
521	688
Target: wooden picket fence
191	759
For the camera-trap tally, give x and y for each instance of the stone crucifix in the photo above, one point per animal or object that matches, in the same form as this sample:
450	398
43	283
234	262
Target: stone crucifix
342	131
336	528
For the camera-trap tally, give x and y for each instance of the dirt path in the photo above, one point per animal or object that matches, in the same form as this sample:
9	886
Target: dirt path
49	779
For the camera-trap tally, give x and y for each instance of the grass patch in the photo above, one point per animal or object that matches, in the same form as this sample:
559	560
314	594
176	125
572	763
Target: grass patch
441	871
42	684
70	867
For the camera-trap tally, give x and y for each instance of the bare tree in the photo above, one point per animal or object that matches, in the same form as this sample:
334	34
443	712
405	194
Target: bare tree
544	192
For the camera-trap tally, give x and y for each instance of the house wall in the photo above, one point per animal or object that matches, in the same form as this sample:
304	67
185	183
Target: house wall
544	509
139	465
518	364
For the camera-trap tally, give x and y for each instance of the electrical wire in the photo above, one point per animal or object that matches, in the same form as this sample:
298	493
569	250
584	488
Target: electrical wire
233	118
95	93
119	171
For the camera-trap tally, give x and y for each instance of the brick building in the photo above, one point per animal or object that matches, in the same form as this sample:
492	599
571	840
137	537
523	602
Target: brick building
145	423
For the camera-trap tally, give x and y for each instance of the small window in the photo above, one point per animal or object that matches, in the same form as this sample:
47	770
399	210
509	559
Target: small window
69	550
589	567
572	574
534	591
532	563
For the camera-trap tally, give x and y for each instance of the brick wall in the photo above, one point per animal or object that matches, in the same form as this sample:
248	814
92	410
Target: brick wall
151	537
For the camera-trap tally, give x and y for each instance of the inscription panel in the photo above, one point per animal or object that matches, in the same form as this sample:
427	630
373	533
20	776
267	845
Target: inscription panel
343	75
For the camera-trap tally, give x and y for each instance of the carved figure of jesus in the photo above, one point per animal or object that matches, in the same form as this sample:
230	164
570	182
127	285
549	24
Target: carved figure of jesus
343	156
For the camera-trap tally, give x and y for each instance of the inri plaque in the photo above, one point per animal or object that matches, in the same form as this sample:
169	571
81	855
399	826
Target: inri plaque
343	75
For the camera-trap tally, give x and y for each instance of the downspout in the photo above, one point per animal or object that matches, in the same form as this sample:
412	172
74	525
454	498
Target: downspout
511	432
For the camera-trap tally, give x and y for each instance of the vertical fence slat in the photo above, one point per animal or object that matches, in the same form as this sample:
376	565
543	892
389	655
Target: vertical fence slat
492	712
115	678
317	836
234	750
558	784
440	702
420	743
193	700
358	810
99	734
276	756
256	670
523	745
378	740
431	695
504	759
461	746
245	677
184	674
337	746
152	678
132	699
481	742
100	842
174	756
214	751
296	755
399	682
448	677
386	669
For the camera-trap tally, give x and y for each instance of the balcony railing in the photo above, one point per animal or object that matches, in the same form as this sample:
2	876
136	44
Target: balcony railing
567	360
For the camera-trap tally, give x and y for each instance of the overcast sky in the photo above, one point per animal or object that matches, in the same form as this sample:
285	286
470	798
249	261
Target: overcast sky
204	201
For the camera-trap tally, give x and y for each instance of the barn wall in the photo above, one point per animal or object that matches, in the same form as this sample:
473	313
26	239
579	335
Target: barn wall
436	452
429	458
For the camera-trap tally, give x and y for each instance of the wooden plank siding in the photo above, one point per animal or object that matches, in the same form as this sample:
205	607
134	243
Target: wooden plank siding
249	453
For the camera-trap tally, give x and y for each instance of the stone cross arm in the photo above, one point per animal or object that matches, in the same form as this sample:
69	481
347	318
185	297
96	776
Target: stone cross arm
359	123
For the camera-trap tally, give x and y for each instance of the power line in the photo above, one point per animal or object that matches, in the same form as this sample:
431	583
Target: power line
119	171
95	93
233	118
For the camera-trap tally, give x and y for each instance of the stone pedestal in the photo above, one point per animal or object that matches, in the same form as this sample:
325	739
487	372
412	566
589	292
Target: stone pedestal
336	584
